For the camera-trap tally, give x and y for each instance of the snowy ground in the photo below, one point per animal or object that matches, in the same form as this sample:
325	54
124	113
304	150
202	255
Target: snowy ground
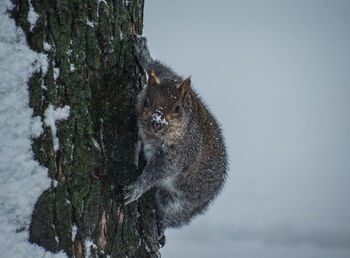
22	179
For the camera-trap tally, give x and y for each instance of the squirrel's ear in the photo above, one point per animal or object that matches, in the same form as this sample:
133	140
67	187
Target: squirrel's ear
184	88
152	78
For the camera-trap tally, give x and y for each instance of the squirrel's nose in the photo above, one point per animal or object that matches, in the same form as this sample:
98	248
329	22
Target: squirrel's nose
157	126
158	121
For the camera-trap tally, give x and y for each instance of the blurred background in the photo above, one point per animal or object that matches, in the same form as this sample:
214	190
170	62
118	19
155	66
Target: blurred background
277	76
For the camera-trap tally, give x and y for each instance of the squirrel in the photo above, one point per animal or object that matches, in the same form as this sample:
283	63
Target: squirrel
182	142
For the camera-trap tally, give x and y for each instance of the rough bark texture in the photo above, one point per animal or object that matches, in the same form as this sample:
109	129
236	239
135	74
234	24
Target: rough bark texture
92	70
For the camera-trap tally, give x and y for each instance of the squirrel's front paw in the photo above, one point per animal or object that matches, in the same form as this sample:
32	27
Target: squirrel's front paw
132	192
161	240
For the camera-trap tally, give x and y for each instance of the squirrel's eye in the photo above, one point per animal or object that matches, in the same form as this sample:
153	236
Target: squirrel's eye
177	109
145	103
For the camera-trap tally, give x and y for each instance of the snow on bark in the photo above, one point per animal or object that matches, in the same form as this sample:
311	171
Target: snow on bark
22	179
51	116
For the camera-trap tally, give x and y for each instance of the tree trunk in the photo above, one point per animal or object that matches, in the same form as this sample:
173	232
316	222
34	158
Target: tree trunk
93	153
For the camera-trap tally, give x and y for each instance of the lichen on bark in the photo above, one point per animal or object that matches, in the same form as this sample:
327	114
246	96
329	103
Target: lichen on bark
93	71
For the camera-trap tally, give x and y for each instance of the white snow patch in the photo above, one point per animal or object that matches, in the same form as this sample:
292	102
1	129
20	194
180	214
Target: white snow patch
69	51
96	144
90	23
22	179
98	6
37	127
51	116
43	86
102	1
88	244
72	67
74	232
40	62
32	16
47	46
56	73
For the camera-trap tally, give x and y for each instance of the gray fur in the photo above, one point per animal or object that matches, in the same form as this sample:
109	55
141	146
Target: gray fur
186	160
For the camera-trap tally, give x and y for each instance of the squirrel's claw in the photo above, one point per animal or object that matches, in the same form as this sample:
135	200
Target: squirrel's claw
161	240
131	193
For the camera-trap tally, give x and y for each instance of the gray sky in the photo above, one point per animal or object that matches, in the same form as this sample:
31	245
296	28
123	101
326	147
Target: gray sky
277	76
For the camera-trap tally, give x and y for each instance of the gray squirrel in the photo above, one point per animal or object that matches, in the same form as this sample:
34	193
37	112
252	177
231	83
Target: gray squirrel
182	143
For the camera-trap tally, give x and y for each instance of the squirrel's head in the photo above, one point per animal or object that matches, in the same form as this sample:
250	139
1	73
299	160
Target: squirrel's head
161	108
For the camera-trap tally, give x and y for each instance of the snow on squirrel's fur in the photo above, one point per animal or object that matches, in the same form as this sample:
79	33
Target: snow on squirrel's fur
22	179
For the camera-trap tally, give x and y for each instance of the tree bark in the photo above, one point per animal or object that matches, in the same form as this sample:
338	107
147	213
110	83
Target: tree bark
93	71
